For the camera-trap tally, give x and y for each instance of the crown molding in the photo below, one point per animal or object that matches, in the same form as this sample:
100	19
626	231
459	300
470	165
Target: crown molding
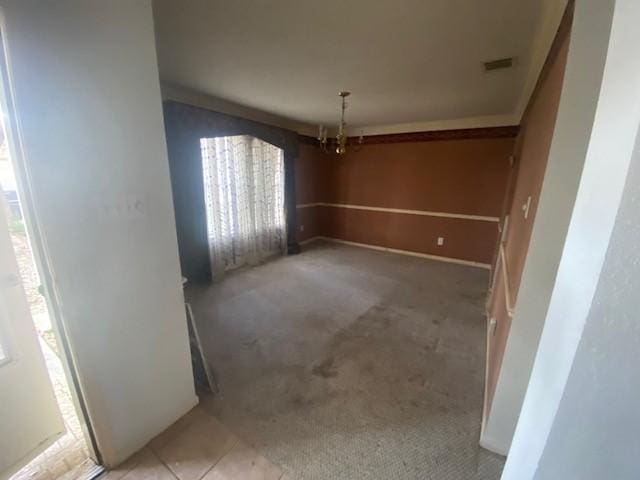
509	131
488	121
178	93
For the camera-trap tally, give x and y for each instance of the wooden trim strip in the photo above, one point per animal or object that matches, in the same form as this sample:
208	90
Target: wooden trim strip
429	136
468	263
309	240
308	205
505	279
425	213
439	135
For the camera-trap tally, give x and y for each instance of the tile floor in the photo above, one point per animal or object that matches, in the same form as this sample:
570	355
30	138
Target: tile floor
197	447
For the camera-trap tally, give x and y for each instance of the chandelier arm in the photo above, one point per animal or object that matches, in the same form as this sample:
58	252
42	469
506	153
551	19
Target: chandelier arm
341	140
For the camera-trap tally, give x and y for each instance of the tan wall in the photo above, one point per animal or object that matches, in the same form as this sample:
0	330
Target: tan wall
464	239
452	176
461	176
311	167
308	220
531	156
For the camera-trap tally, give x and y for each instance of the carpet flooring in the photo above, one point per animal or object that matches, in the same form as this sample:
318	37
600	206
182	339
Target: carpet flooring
348	363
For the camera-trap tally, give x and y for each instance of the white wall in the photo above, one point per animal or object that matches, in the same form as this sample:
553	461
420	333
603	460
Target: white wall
595	431
86	90
574	125
606	163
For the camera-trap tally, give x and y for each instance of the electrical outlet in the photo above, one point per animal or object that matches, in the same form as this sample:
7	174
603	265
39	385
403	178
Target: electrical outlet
302	228
440	241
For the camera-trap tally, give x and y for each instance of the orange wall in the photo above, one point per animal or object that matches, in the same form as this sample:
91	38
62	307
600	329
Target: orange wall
461	176
464	239
453	176
532	156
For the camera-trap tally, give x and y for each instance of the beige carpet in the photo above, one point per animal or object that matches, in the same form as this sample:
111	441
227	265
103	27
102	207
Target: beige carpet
347	363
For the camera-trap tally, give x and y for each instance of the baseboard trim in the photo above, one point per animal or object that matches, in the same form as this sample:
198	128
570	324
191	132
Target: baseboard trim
424	213
489	445
483	422
309	240
410	253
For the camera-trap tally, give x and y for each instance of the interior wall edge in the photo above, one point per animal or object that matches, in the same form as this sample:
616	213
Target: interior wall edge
553	14
531	155
600	142
116	275
581	102
562	31
492	445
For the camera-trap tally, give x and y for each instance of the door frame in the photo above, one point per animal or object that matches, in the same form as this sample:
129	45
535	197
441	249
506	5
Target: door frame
38	245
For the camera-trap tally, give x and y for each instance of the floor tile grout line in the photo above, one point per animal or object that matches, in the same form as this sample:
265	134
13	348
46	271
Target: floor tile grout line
174	434
175	475
135	465
238	440
220	459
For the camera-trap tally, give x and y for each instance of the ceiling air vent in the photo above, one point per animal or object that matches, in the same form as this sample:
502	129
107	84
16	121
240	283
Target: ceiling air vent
498	64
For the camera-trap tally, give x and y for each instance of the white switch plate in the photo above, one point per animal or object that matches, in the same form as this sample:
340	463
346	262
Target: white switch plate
440	241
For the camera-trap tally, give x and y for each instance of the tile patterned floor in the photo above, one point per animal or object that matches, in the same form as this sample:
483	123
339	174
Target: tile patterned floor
197	447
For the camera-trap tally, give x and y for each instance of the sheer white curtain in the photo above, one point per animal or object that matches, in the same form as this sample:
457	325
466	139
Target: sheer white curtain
244	198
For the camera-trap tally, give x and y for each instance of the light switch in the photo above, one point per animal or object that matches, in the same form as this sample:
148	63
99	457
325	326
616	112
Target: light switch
526	206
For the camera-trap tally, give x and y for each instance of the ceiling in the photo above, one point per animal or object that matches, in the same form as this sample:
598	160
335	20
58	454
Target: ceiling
405	61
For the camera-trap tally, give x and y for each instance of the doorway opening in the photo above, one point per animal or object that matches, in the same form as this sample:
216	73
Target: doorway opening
68	454
46	434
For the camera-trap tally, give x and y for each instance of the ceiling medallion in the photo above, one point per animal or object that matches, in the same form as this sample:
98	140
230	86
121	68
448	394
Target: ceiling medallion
341	138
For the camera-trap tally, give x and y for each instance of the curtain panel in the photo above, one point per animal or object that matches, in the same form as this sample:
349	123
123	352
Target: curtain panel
185	126
244	200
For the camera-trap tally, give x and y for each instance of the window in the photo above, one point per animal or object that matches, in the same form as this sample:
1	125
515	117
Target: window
244	199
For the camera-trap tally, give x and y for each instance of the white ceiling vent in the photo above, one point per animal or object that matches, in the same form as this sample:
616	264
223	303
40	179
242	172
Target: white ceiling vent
498	64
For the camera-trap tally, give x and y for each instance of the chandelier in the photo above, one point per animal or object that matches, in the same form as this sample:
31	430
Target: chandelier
340	141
